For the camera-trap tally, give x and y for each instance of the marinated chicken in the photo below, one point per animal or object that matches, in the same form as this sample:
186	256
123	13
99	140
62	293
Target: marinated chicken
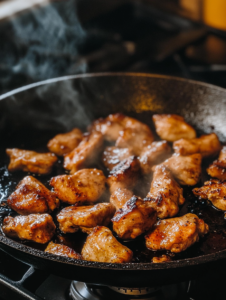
32	197
218	168
102	246
173	127
112	156
30	161
154	154
166	195
186	169
215	191
62	250
120	196
85	154
73	218
207	145
35	227
134	218
64	143
176	234
161	259
86	185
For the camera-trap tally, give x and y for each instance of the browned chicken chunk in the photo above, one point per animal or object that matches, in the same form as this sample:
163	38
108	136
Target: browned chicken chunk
218	168
176	234
161	259
112	156
86	185
102	246
186	169
134	218
30	161
64	143
37	228
32	197
207	145
85	154
215	191
166	195
154	154
120	196
62	250
73	218
173	127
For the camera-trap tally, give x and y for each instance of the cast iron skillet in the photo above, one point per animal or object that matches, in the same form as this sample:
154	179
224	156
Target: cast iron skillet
61	103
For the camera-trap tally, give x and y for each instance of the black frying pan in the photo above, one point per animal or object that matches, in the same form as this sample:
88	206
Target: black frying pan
57	105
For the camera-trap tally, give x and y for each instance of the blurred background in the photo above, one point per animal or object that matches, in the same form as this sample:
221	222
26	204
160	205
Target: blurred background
41	39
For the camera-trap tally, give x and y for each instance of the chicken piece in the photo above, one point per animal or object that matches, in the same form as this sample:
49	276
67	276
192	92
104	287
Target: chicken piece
30	161
173	127
134	218
166	195
64	143
215	191
72	218
62	250
86	185
176	234
154	154
102	246
120	196
218	168
32	197
207	145
85	154
186	169
36	227
112	156
125	174
161	259
135	139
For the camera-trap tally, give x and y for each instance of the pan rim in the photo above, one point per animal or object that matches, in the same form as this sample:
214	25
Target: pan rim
100	265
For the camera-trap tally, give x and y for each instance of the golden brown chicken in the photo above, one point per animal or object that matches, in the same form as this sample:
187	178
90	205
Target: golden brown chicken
30	161
186	169
176	234
173	127
86	185
207	145
35	227
62	250
218	168
134	218
73	218
32	197
154	154
64	143
102	246
215	191
85	154
166	195
120	196
161	259
112	156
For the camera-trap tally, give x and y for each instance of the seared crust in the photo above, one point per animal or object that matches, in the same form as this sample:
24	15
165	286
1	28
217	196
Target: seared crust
86	185
176	234
120	196
64	143
72	218
112	156
85	154
32	197
134	218
30	161
207	145
102	246
37	228
165	195
218	168
62	250
173	127
215	191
